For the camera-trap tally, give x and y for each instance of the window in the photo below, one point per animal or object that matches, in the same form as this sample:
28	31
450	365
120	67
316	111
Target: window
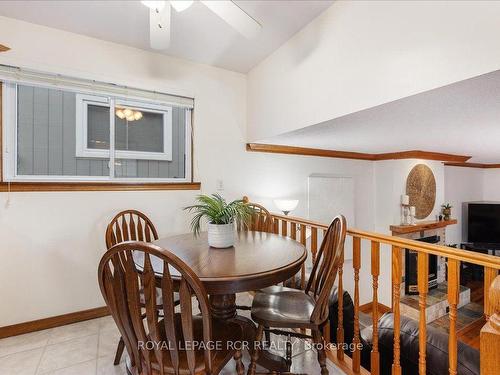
142	131
61	134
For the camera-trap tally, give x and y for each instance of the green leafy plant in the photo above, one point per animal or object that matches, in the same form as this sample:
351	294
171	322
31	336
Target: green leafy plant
446	206
215	210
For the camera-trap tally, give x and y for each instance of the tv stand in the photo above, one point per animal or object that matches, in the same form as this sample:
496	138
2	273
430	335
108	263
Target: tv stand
481	247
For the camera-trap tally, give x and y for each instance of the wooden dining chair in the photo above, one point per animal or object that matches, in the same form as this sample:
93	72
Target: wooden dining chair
262	220
286	310
179	342
129	225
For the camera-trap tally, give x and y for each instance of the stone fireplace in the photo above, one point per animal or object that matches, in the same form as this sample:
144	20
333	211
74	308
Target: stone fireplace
411	274
437	303
424	230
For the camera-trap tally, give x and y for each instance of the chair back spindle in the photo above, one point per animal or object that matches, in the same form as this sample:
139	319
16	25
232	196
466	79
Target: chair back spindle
130	225
261	221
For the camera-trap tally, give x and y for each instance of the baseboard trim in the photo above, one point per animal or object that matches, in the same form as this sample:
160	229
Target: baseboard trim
368	307
53	321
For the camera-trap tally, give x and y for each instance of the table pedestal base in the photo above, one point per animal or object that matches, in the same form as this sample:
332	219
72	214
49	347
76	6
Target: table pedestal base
223	306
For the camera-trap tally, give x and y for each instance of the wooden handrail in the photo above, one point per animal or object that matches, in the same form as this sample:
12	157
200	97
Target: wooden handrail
449	252
445	251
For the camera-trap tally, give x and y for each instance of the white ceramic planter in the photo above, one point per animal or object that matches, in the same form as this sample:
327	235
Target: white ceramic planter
221	235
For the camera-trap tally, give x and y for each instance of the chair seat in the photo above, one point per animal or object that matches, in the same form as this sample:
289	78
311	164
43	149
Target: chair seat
223	332
282	307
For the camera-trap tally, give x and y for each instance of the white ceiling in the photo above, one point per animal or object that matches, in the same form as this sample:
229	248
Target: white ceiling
462	118
197	33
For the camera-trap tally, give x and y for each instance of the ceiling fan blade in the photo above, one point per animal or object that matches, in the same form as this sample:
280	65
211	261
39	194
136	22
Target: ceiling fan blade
159	27
3	48
234	16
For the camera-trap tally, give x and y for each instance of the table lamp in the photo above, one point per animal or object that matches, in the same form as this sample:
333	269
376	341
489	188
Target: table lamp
286	205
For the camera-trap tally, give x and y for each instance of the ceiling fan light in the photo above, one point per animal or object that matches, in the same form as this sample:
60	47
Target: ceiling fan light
137	115
159	5
130	118
119	113
180	5
128	112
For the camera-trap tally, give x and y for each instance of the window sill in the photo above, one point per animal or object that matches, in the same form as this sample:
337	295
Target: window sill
97	186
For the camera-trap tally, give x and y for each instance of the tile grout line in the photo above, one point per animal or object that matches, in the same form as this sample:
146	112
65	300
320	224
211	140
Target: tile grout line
41	356
66	341
98	342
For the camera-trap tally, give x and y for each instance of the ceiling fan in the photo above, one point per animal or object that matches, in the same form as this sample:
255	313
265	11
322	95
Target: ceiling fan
160	13
4	48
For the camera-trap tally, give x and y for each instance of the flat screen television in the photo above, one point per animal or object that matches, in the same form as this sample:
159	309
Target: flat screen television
483	222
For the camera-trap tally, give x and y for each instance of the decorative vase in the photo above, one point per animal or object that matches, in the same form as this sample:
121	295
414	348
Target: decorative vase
221	235
447	213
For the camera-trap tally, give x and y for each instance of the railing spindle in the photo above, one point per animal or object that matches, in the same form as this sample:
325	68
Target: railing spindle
276	226
293	230
314	243
375	265
396	291
489	276
293	235
284	227
303	229
356	263
423	285
340	304
453	299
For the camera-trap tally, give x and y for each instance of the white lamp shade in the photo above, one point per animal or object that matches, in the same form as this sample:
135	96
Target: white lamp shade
286	205
180	5
154	4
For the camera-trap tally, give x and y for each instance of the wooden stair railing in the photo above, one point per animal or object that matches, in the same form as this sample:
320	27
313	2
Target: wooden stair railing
310	233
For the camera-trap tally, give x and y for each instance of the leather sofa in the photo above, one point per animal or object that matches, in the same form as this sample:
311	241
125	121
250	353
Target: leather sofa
437	344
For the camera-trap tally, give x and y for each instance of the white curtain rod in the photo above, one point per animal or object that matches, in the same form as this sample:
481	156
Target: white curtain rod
21	75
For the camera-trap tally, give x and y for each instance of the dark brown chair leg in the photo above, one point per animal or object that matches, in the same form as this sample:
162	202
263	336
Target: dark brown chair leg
255	352
240	369
119	351
320	347
267	335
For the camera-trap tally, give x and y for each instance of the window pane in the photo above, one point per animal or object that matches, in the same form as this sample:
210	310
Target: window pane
46	142
97	127
140	168
140	131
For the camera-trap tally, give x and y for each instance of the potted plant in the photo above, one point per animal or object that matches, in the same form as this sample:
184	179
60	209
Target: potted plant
447	211
221	217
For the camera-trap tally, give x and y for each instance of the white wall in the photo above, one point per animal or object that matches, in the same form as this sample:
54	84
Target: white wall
491	185
461	185
359	54
51	242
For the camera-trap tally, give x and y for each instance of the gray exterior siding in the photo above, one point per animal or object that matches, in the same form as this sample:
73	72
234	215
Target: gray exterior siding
46	141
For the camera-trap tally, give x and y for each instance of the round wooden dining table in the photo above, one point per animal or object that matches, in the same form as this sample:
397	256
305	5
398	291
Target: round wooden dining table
257	260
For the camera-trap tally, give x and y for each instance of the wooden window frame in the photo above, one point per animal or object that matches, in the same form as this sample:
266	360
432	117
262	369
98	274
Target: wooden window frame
28	186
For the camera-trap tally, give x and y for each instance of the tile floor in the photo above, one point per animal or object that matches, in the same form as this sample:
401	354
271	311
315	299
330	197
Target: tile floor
88	348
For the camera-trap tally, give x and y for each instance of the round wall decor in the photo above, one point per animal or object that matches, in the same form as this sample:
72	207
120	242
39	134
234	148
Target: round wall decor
421	188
